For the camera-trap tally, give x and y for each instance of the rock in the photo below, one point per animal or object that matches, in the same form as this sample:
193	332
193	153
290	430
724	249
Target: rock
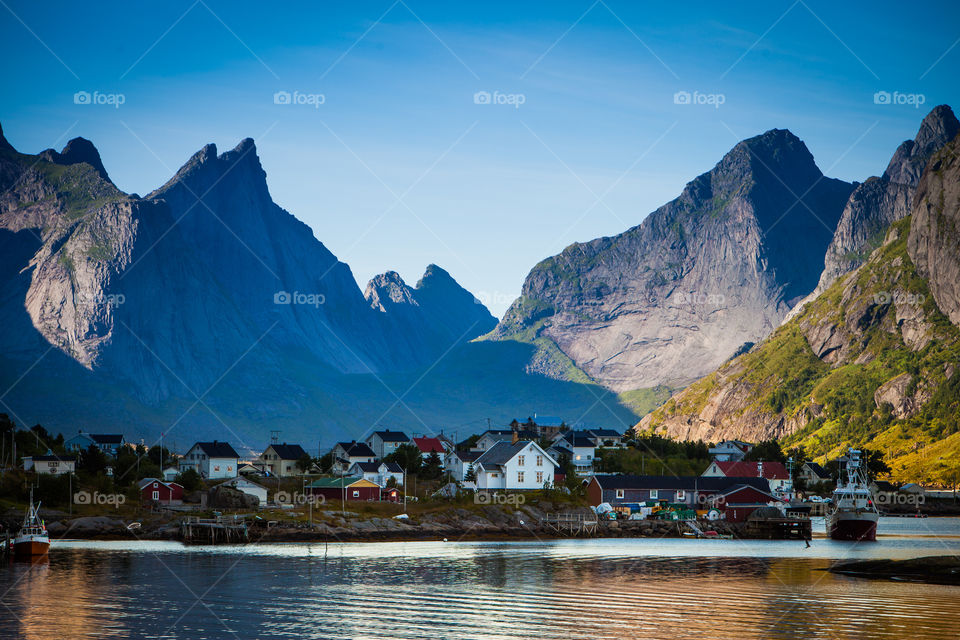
671	299
93	525
224	497
895	393
935	230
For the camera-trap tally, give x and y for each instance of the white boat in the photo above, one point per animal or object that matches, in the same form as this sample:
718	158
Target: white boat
33	539
854	514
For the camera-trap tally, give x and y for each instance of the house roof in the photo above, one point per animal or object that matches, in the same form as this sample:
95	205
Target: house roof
288	451
740	487
357	449
503	452
468	456
771	470
883	485
507	434
217	449
392	436
147	481
429	445
374	467
548	421
686	483
606	433
346	481
51	457
244	481
579	439
816	469
107	438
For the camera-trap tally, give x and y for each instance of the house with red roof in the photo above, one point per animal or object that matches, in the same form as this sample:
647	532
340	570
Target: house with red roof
429	445
774	472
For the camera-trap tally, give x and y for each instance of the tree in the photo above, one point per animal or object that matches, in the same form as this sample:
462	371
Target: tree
408	456
325	462
470	475
189	480
432	468
304	463
92	460
158	455
768	450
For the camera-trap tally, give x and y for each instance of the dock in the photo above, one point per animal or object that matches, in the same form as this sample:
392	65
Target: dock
218	530
780	528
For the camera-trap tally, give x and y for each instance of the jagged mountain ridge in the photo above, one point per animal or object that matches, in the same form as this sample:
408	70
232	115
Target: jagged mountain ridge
882	200
871	361
717	268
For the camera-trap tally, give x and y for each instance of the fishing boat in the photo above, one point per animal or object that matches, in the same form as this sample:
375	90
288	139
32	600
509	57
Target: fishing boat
33	539
854	514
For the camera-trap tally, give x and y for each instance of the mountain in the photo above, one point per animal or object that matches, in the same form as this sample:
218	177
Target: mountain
880	201
205	308
701	278
872	361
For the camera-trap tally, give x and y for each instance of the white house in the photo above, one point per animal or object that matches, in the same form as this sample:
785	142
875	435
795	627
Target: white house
383	443
50	464
378	472
345	454
730	450
457	463
579	447
492	436
170	474
109	443
514	465
212	460
281	459
605	437
248	487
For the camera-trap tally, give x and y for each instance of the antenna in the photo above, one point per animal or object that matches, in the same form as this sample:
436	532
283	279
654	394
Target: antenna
274	437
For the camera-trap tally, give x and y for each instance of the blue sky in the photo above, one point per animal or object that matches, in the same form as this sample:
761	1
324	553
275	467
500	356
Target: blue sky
400	167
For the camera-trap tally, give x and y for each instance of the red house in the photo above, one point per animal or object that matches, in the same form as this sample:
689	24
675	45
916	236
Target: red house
429	445
349	487
740	501
390	494
154	491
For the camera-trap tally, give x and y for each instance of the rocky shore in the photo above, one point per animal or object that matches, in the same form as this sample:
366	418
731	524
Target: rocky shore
930	569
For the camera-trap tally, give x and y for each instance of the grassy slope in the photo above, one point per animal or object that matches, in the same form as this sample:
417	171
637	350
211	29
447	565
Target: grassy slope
786	378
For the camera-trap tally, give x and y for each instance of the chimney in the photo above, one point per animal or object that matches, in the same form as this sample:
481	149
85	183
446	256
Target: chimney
760	469
516	437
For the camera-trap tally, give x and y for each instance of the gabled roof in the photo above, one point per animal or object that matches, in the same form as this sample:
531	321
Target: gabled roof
740	487
686	483
288	451
579	439
507	434
148	481
606	433
374	467
429	445
393	467
817	470
468	456
337	483
357	449
49	457
217	449
503	452
884	486
107	438
547	421
391	436
771	470
244	481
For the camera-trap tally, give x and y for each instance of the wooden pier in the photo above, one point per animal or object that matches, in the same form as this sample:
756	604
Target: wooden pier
572	524
780	528
219	530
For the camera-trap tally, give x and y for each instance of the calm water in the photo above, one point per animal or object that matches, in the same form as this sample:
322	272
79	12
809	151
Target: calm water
555	589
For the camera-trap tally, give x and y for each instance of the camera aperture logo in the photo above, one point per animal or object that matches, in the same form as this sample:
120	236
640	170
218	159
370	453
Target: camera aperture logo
512	99
86	497
96	98
309	299
897	98
493	497
295	97
710	99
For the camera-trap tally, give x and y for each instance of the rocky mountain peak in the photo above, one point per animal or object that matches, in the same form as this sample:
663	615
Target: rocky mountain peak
4	145
387	290
907	164
77	151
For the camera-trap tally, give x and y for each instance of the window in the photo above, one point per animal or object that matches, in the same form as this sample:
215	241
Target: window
156	495
520	460
619	493
519	476
356	494
539	461
654	494
539	477
681	494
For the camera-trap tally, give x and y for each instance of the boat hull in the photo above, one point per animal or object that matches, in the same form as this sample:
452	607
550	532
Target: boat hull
856	527
31	547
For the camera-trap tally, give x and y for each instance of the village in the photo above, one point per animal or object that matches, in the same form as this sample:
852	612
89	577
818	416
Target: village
587	478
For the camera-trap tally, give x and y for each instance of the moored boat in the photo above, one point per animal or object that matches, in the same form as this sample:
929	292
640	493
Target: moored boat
33	539
854	515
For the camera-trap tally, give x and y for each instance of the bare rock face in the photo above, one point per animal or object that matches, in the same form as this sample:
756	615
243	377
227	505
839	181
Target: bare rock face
905	396
669	300
880	201
935	230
